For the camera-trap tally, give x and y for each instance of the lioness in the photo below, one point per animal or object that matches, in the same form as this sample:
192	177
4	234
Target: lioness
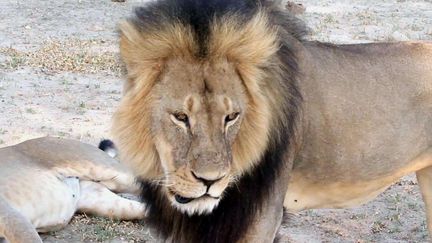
229	115
44	181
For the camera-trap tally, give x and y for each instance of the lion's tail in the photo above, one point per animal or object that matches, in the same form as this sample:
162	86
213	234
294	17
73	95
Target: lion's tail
109	147
15	227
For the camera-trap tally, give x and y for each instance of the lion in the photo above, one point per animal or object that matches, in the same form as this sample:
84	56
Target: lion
229	115
44	181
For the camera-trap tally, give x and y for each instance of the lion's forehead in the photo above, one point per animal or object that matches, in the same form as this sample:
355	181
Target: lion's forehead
195	85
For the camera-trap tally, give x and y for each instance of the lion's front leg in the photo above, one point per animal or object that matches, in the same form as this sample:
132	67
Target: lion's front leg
266	225
267	222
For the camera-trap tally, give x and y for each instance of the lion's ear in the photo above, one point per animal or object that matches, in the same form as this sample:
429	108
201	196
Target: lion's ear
143	63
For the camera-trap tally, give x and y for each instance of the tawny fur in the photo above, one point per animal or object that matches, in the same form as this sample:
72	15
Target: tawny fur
45	181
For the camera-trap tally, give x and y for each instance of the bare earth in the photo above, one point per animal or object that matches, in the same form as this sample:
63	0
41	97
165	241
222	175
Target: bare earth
60	75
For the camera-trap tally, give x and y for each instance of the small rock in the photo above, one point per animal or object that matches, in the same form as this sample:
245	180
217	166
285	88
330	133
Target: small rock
295	8
398	36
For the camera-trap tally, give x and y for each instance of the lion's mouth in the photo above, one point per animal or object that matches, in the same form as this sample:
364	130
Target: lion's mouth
184	200
203	204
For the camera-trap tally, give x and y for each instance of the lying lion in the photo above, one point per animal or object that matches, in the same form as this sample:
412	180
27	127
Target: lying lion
229	115
44	181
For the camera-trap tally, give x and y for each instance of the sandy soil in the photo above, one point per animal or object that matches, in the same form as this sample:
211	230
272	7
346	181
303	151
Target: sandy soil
60	75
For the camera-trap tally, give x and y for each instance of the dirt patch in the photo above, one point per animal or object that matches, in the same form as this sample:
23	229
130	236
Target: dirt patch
60	75
85	228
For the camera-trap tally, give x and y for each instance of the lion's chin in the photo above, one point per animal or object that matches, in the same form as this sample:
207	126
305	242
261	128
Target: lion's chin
196	206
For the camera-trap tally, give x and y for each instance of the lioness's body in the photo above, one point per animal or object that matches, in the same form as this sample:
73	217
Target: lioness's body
43	182
367	121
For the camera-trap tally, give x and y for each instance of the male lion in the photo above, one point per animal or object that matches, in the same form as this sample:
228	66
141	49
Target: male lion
229	114
44	181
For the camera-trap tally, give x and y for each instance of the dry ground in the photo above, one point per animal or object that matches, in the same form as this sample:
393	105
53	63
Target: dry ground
60	76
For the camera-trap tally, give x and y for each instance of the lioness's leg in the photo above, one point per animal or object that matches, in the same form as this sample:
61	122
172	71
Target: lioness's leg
97	199
114	177
15	227
424	178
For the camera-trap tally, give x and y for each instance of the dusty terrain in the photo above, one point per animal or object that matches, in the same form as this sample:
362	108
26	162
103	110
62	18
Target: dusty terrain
60	75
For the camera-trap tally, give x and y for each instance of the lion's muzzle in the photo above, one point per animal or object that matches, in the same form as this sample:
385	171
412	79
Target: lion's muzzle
206	182
191	193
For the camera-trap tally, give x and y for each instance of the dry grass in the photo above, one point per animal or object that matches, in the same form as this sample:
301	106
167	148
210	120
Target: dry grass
72	55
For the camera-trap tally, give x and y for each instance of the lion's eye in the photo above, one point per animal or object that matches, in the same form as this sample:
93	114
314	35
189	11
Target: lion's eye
182	117
231	117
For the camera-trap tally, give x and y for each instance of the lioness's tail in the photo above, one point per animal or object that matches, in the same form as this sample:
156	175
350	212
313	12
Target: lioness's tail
15	227
109	147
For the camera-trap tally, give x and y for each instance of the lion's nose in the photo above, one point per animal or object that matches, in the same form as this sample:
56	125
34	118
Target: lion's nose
207	181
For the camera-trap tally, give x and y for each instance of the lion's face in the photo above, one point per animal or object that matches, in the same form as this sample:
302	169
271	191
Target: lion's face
191	122
196	115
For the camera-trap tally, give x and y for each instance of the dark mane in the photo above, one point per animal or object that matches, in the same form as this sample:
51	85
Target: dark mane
243	200
199	14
